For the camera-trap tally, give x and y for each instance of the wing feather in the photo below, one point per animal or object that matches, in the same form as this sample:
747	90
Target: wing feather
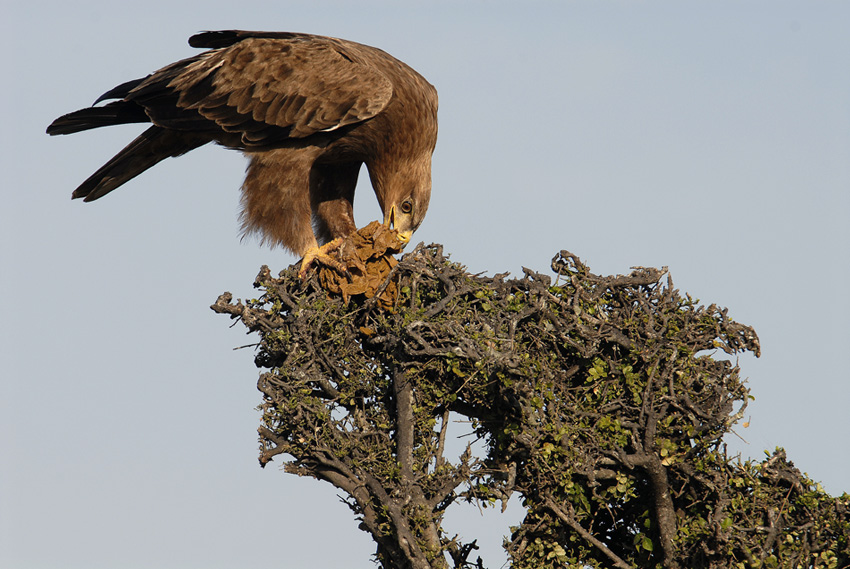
272	88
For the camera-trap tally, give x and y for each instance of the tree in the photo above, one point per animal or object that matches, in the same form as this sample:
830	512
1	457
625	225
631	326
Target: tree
600	400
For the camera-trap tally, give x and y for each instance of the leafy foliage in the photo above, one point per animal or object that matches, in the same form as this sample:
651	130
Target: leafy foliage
600	399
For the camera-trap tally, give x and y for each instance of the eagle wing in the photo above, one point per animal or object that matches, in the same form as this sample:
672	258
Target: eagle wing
250	90
264	89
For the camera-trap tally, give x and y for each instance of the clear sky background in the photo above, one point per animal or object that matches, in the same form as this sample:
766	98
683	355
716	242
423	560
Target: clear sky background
713	138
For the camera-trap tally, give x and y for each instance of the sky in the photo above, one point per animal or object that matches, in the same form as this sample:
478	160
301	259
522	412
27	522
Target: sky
710	138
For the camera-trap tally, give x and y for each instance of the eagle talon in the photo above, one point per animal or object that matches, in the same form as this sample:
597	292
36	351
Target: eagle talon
322	256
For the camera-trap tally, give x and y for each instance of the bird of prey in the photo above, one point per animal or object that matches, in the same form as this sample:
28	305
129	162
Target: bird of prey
307	110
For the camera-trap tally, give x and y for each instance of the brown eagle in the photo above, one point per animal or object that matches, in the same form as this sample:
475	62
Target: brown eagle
307	110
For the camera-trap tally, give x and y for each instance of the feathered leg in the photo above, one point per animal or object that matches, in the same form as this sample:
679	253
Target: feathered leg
276	199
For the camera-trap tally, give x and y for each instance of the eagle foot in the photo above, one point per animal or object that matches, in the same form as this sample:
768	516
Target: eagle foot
321	255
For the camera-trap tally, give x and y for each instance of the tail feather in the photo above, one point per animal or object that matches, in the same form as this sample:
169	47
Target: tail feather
118	112
149	148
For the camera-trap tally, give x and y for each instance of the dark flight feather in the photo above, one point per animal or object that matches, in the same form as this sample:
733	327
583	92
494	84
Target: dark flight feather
94	117
146	150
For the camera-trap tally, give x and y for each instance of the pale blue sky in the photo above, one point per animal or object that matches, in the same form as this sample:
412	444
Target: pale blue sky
712	138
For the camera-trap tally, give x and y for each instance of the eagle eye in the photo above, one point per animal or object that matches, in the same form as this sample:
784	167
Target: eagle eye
406	206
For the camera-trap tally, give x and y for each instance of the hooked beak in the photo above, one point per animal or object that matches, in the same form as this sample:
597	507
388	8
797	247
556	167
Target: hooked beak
389	221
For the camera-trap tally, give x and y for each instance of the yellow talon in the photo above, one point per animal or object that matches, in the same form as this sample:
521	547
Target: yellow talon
322	255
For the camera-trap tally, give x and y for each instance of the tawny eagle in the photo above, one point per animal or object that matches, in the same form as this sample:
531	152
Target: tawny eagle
307	110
